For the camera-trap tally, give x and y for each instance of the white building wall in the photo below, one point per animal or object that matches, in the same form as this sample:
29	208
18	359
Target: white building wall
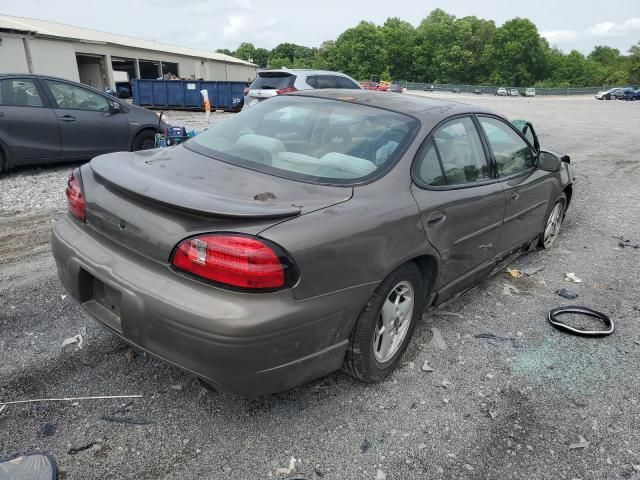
58	58
51	57
12	56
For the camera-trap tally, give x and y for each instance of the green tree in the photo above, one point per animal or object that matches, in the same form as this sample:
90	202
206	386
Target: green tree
285	50
517	54
634	63
245	51
399	39
359	51
325	56
226	51
261	57
433	37
279	62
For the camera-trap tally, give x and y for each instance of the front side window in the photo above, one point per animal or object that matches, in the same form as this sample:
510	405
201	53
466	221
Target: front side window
77	98
511	152
453	156
19	92
310	139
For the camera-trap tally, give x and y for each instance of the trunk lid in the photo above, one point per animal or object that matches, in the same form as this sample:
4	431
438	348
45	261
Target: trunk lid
149	201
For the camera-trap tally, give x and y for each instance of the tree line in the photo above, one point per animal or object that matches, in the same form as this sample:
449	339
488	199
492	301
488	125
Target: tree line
446	49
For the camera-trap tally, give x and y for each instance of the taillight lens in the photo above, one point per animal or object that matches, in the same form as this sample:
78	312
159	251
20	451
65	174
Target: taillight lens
286	90
75	197
236	260
246	91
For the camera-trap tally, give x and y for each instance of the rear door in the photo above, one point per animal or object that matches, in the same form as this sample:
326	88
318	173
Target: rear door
527	188
461	203
87	125
28	127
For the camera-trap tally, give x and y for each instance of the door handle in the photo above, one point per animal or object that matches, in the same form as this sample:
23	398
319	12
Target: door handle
515	196
68	118
1	114
435	219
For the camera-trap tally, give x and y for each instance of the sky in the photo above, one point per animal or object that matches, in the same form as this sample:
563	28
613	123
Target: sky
212	24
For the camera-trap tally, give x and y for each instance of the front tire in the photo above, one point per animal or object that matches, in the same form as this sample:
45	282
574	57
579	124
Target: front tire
144	140
553	224
385	325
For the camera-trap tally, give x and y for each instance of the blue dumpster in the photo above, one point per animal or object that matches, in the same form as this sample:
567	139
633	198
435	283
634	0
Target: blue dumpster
185	94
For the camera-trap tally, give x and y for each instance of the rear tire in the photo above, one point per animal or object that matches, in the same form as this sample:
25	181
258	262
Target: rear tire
553	223
144	140
372	356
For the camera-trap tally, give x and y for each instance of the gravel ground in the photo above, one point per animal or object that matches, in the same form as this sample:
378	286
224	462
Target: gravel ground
529	402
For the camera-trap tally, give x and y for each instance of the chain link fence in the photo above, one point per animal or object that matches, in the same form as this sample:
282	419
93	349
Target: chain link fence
486	89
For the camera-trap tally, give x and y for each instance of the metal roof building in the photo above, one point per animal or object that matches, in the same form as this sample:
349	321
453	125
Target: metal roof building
100	59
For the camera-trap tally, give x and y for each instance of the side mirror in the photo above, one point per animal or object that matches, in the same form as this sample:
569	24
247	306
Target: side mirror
548	162
115	107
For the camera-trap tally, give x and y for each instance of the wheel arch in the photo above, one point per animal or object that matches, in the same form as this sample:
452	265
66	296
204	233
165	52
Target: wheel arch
568	192
429	266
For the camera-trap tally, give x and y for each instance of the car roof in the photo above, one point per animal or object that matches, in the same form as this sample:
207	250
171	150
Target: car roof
307	71
423	107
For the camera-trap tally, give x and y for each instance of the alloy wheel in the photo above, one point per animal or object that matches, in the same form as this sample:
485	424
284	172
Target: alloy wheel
393	322
552	229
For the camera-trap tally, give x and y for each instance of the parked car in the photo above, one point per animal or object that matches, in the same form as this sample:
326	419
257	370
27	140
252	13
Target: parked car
455	90
369	85
123	90
610	94
629	94
270	83
502	92
477	91
513	92
312	237
46	120
395	88
530	92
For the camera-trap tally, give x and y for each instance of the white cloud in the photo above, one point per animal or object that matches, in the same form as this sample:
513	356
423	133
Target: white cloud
560	37
610	29
235	27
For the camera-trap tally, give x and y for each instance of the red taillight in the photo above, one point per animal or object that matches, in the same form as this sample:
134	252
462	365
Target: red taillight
236	260
286	90
75	198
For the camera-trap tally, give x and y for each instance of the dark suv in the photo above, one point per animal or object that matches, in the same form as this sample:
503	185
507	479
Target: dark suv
47	120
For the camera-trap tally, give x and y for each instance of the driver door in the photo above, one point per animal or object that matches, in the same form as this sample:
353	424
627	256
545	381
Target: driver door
87	125
527	188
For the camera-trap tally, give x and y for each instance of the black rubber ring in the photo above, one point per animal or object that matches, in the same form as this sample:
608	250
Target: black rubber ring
553	319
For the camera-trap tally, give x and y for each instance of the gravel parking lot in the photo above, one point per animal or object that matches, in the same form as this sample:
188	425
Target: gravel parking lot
509	397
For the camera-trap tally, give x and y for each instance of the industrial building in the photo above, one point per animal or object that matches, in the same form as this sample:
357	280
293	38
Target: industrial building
101	59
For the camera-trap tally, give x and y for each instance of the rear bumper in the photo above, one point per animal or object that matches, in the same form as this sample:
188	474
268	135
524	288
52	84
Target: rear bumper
246	344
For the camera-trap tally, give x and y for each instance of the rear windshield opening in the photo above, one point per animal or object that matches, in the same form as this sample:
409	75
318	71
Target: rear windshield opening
272	81
310	139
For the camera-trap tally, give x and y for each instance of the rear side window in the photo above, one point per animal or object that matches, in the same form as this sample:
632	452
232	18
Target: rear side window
19	92
429	168
272	81
453	156
322	81
331	81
